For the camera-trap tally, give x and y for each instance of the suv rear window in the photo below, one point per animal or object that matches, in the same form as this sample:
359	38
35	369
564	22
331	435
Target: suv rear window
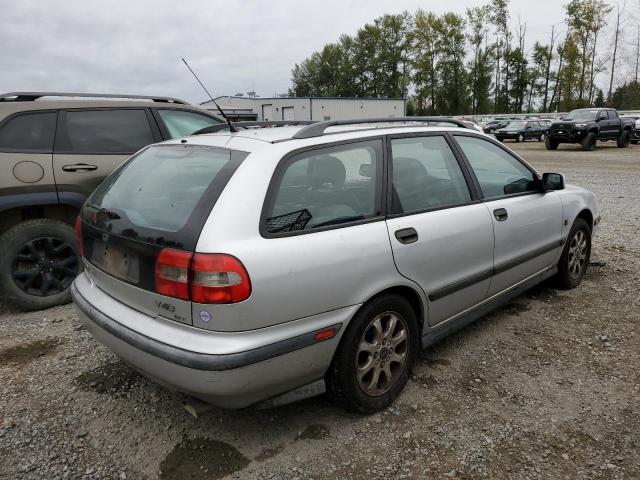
104	131
31	132
164	194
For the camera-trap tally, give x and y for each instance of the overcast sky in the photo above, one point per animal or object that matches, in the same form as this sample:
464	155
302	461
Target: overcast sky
135	46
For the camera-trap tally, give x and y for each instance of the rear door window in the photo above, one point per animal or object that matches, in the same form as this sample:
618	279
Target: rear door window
426	175
30	132
104	131
180	123
326	187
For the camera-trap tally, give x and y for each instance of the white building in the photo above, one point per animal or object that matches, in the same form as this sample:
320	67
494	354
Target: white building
308	108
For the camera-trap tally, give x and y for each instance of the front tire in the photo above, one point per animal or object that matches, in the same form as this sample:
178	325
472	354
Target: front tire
38	261
551	144
624	139
589	142
575	257
375	355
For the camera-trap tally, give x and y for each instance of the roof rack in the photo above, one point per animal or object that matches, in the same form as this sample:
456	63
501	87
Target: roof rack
32	96
246	125
317	129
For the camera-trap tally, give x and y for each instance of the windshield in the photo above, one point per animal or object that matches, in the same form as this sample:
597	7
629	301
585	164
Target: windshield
582	115
515	126
157	195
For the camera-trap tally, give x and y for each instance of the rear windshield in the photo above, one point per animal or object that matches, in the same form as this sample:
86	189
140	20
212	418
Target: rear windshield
164	194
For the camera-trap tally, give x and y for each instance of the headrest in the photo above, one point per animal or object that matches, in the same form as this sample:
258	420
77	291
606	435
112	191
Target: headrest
327	170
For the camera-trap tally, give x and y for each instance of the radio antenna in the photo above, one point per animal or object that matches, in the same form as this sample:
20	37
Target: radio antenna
231	127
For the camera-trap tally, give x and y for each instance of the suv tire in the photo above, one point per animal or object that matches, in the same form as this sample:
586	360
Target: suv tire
575	257
589	142
624	139
385	328
31	248
550	144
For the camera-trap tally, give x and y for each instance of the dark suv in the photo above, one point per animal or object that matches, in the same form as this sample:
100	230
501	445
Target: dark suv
55	149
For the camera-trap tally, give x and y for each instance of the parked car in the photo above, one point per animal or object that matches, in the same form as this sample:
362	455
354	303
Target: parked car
267	265
494	125
521	131
635	133
586	125
54	151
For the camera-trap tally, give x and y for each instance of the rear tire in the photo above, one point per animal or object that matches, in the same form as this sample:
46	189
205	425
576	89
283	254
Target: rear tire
575	257
551	144
38	261
589	142
372	363
624	139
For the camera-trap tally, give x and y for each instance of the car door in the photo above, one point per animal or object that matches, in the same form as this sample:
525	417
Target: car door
534	130
26	144
91	143
527	223
604	125
441	236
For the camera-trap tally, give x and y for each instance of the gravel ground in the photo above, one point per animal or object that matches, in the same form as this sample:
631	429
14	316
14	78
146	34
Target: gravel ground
545	388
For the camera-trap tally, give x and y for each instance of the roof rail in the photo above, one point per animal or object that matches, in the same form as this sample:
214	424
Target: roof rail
317	129
245	125
32	96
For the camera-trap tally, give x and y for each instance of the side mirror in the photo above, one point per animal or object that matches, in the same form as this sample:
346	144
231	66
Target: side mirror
552	181
365	170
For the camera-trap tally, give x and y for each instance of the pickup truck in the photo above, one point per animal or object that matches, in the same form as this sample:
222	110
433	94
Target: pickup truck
586	125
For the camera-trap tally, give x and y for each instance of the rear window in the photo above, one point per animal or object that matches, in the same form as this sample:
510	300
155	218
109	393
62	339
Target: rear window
31	132
164	194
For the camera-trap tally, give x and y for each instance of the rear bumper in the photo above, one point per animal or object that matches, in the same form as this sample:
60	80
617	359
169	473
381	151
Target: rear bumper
231	380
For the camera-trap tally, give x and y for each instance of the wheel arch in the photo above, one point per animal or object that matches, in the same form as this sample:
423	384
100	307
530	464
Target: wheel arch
17	214
587	216
408	293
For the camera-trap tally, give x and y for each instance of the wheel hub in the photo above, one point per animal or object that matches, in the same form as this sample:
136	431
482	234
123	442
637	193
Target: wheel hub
44	266
382	353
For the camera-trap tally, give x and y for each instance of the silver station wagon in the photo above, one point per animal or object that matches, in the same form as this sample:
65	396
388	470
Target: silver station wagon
265	265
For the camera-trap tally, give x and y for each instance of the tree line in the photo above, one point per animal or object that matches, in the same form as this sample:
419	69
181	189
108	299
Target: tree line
478	63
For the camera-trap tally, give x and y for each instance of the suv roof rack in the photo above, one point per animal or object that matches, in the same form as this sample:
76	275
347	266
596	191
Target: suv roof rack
317	129
32	96
245	125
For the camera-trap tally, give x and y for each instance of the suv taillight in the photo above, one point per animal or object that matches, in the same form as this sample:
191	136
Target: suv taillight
201	277
79	236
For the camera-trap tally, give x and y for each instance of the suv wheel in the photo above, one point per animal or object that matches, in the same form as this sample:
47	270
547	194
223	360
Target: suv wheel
624	139
589	142
376	353
38	262
575	257
550	144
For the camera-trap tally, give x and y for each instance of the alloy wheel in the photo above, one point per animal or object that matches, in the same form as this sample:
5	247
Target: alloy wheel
577	253
45	266
382	353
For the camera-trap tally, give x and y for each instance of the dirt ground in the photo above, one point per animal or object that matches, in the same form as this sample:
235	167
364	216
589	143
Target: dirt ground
548	387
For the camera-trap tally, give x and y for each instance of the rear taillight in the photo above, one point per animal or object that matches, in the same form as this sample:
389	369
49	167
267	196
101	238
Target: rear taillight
219	279
201	277
79	236
172	273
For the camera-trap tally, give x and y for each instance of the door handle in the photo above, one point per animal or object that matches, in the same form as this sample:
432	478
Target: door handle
500	214
79	167
407	235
